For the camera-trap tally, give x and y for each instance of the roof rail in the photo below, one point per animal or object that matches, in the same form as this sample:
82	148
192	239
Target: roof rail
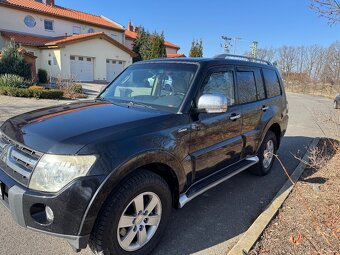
230	56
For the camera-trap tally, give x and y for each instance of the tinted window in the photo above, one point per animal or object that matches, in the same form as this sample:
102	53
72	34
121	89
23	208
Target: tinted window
259	86
272	83
221	83
246	87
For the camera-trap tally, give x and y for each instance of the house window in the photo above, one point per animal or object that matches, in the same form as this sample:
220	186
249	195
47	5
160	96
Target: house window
91	30
49	25
89	59
81	58
73	58
76	30
30	21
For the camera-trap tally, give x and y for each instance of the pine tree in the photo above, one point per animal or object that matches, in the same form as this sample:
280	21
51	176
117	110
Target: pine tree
148	46
157	46
12	62
196	50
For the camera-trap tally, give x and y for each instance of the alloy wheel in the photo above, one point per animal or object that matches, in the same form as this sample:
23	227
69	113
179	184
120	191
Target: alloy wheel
139	221
268	154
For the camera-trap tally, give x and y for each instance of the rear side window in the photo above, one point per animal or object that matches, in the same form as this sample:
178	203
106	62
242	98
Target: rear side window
246	87
272	83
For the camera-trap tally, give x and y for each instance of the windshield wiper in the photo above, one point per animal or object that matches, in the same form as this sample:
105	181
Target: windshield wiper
131	103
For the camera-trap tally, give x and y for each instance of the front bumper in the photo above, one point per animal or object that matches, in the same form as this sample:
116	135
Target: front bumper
69	207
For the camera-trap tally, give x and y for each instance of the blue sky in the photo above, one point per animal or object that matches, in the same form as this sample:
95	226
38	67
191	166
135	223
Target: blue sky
271	23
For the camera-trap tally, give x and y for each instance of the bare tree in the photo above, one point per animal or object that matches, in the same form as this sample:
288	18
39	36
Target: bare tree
329	9
267	54
287	56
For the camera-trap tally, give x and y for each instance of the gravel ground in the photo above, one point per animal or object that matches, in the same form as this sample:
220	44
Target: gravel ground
309	221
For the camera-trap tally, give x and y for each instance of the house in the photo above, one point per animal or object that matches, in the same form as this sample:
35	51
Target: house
131	35
65	41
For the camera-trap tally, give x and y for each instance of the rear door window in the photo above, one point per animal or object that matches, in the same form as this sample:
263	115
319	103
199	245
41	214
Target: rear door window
272	83
246	86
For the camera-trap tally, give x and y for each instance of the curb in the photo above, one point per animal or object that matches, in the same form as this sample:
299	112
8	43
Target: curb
253	233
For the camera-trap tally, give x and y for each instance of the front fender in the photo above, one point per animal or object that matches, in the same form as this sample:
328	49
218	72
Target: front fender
121	171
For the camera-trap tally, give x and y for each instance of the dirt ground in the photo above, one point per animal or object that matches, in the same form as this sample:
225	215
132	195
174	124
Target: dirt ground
309	220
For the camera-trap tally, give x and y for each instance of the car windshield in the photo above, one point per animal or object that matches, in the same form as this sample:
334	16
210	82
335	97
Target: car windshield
155	85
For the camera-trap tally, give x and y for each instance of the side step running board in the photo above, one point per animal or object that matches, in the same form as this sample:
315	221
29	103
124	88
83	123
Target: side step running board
216	178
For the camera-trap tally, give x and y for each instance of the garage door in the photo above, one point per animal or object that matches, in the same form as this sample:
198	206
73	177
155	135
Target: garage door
113	68
82	68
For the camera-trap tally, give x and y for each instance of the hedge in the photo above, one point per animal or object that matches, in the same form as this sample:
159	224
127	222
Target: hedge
43	94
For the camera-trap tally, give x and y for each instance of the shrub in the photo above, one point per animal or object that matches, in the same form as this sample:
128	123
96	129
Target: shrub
42	76
77	88
12	80
43	94
12	62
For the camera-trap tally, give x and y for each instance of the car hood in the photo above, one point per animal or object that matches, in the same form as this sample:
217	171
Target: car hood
65	129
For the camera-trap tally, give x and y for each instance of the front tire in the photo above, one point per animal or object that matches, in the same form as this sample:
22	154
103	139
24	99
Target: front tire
266	155
134	217
336	105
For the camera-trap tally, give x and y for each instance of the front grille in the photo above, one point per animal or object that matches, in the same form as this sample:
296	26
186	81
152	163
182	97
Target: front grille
19	160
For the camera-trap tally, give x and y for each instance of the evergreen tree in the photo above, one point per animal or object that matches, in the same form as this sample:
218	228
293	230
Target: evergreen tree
157	46
148	46
12	62
196	50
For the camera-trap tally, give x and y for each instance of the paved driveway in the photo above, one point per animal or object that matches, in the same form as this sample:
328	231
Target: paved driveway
211	223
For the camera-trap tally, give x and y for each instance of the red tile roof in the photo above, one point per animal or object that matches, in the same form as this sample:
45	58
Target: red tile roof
59	11
39	41
179	55
26	39
133	35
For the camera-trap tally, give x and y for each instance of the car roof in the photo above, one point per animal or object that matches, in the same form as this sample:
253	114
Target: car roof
211	62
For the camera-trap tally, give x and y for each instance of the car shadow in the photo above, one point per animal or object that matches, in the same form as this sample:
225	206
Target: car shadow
211	223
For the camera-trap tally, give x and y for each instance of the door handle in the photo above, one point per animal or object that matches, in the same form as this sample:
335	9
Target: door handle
235	116
264	108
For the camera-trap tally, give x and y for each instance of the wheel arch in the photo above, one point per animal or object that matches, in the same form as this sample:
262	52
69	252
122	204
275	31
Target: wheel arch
276	129
160	162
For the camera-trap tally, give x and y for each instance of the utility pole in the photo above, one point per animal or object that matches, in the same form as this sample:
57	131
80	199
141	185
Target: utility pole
226	45
254	49
234	46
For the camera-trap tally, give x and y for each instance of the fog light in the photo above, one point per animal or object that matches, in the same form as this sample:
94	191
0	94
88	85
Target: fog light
49	214
42	214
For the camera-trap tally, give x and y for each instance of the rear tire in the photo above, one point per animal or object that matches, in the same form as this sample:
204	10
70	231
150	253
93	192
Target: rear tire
266	155
336	105
124	225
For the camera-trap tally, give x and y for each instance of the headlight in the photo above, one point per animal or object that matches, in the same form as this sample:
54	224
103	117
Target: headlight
53	172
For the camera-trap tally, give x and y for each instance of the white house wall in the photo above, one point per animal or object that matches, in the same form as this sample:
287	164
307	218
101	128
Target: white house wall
99	49
13	20
53	57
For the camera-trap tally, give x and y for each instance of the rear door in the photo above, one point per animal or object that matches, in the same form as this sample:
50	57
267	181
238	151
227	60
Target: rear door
216	140
253	100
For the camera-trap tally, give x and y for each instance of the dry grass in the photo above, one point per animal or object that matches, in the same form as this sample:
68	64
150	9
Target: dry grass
309	220
316	89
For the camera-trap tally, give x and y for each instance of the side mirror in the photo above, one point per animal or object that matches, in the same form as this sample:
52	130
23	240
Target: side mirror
212	103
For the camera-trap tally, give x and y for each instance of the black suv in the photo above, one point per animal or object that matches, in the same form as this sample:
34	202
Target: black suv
106	172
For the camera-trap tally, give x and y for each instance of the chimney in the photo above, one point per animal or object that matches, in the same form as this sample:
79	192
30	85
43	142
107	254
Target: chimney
50	2
130	26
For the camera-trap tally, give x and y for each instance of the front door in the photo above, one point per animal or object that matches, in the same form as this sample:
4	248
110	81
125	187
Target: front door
216	140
